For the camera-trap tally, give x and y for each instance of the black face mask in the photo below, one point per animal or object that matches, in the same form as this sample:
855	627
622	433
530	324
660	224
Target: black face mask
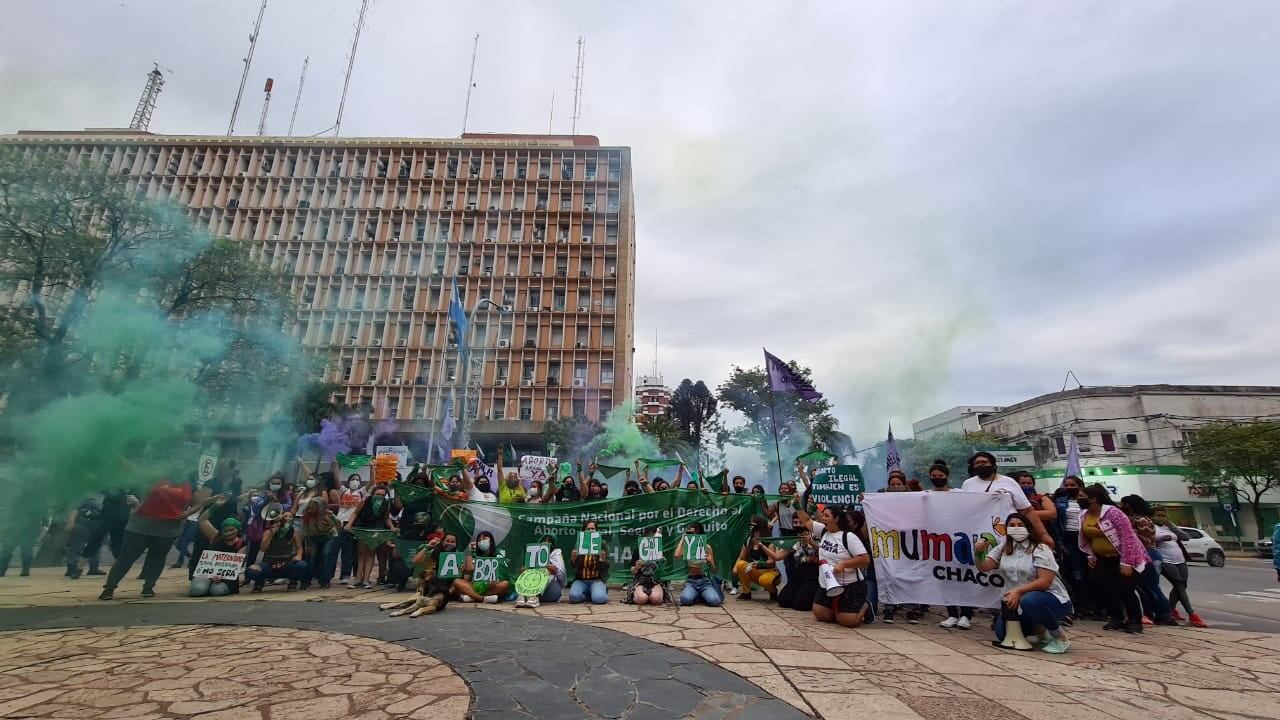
940	482
985	471
1084	504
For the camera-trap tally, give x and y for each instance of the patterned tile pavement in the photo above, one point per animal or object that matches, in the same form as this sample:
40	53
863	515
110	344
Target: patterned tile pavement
898	672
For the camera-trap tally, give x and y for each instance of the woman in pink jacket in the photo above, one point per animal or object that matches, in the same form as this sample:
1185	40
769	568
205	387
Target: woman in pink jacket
1116	557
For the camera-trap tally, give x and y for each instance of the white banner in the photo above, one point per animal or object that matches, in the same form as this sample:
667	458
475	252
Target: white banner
219	565
536	467
922	546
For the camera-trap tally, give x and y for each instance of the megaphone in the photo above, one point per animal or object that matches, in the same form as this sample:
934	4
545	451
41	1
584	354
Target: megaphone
1014	639
827	580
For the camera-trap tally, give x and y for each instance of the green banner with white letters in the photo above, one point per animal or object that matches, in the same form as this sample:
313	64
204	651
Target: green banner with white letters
622	522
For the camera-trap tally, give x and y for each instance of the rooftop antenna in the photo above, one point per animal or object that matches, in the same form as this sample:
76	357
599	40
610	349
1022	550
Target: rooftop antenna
577	86
552	116
248	60
302	79
655	353
147	103
471	82
266	104
351	62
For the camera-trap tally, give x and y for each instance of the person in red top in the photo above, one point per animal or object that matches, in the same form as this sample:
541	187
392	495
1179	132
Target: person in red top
152	529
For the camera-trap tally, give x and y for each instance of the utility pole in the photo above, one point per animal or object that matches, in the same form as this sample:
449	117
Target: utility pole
302	79
471	82
266	105
248	60
147	103
351	62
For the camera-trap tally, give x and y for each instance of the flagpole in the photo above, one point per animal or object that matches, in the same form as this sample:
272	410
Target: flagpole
773	423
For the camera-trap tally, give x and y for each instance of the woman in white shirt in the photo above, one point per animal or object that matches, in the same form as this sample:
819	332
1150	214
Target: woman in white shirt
1032	588
1173	565
840	548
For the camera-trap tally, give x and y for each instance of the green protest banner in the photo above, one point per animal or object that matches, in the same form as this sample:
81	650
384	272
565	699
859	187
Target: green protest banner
651	465
781	543
374	539
716	482
451	565
407	550
588	543
485	569
839	485
622	522
352	462
537	555
814	456
650	549
609	471
695	547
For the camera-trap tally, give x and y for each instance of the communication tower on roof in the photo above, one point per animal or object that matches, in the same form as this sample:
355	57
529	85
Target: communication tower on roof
248	60
147	103
577	85
266	104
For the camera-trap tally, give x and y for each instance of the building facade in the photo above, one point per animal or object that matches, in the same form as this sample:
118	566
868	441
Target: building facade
375	230
956	421
1133	438
652	397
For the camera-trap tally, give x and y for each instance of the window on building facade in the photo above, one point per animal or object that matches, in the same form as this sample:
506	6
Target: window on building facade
1061	442
1108	441
553	409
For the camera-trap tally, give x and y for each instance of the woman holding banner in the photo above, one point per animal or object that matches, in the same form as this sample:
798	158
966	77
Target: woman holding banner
699	584
374	513
645	587
1036	595
801	562
470	589
229	538
754	564
589	571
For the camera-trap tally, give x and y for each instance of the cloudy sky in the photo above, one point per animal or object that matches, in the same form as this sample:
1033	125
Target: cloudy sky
929	203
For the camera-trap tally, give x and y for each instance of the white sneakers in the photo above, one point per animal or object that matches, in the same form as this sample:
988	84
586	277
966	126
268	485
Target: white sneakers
490	599
949	623
466	599
525	601
533	601
963	623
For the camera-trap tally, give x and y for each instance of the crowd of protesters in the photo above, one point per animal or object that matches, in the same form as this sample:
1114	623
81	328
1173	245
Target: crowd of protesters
1072	555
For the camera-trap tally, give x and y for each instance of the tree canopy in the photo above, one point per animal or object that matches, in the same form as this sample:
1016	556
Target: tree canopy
1245	458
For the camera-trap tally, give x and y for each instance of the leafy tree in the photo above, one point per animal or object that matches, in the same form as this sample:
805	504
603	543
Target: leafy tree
1245	458
695	412
315	403
801	424
571	435
667	435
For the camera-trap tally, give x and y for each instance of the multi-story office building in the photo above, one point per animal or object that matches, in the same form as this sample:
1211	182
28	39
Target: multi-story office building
374	230
652	397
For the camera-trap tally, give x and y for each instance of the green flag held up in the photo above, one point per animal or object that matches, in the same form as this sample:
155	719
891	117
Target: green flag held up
352	462
374	539
815	456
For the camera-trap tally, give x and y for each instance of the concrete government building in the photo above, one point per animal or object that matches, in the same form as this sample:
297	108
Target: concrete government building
373	231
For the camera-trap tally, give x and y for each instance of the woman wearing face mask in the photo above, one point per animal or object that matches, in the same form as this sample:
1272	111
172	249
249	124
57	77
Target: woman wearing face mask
801	562
940	481
754	565
699	584
1034	595
228	537
539	493
349	500
374	513
1115	556
555	586
1173	565
589	573
433	593
1041	505
784	510
1072	562
467	589
320	529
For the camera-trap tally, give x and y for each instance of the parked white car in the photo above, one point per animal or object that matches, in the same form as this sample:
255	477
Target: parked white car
1203	548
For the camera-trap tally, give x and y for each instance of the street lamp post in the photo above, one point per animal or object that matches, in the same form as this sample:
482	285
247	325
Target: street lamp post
464	373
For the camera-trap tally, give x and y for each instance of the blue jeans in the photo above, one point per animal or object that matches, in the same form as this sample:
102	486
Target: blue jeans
347	547
1153	598
579	590
553	592
1038	609
183	543
703	588
323	559
205	587
296	571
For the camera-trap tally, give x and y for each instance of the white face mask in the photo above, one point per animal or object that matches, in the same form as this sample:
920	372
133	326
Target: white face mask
354	484
1018	533
311	483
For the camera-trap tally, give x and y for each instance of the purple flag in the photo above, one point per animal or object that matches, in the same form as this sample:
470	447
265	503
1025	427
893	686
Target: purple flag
892	460
1073	459
783	379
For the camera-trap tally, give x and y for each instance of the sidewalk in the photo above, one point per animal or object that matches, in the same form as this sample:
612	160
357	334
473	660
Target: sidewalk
898	672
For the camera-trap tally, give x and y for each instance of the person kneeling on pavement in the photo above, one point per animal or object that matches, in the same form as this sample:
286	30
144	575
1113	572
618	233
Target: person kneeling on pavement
1036	597
281	551
228	538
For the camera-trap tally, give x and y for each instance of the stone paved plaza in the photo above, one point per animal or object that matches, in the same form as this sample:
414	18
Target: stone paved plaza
157	658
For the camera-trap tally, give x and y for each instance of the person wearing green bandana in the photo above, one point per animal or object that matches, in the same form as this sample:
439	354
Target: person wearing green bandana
228	537
281	555
374	513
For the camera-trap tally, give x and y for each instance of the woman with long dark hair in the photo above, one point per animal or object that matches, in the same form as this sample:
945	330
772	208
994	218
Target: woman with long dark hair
840	548
801	562
374	513
1154	604
1115	557
467	588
